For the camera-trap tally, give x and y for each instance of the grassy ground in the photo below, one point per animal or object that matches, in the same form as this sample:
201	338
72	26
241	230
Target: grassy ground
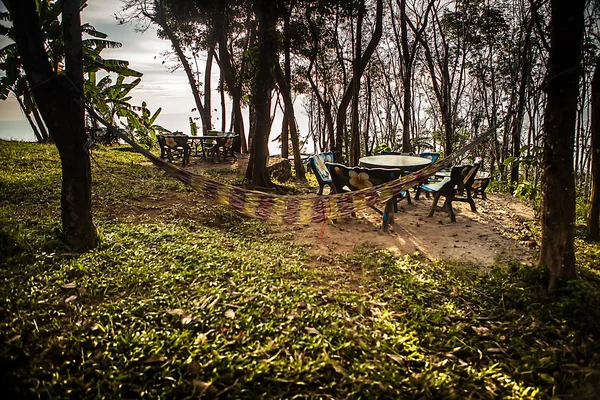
183	298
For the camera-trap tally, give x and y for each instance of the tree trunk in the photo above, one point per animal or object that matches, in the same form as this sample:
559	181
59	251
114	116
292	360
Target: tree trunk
161	21
518	118
287	120
593	229
267	57
355	130
289	112
324	105
34	128
228	75
59	98
348	93
406	80
557	251
207	88
223	108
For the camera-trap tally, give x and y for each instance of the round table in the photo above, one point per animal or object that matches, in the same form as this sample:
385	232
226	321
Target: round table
405	163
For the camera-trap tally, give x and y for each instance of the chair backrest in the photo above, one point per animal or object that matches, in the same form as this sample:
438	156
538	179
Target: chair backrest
346	178
432	156
176	141
161	141
317	163
463	176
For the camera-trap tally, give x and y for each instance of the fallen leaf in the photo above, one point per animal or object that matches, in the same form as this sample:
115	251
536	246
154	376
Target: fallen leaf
186	319
495	350
396	358
72	285
312	331
176	311
230	314
70	299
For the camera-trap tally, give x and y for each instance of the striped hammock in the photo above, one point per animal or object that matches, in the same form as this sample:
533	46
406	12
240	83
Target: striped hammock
294	209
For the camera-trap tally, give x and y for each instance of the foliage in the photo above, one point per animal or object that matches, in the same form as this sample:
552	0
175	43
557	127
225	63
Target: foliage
381	147
183	298
529	192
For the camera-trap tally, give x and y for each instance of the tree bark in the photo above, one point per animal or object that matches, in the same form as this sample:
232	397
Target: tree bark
59	98
289	111
228	75
407	59
557	251
267	57
355	130
207	86
593	229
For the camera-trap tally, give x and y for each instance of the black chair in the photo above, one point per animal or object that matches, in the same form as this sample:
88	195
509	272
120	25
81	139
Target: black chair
224	146
174	147
480	184
347	179
453	188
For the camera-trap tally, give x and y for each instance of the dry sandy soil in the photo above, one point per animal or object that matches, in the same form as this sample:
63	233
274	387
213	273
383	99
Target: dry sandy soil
483	238
494	234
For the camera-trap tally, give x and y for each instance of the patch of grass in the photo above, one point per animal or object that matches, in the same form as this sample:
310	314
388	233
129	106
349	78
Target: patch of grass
184	299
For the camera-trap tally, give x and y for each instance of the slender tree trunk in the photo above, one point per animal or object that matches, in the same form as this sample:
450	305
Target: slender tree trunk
557	251
287	120
349	91
407	59
289	111
160	20
34	128
47	138
594	213
325	106
518	118
228	75
59	100
267	57
355	130
223	106
208	88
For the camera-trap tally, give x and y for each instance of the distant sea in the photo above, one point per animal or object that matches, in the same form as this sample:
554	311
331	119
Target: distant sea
16	130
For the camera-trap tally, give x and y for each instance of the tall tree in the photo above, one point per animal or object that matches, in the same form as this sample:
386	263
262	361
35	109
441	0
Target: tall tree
557	251
267	16
59	98
594	213
359	64
157	12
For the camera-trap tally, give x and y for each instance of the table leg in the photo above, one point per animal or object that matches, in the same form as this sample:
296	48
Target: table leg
388	215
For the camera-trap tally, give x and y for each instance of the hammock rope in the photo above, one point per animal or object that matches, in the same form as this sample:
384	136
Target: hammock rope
294	209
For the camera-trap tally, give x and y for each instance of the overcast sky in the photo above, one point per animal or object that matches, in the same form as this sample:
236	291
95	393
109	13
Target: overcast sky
159	86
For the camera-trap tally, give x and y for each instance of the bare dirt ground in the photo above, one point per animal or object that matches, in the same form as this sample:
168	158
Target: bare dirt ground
483	238
497	233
